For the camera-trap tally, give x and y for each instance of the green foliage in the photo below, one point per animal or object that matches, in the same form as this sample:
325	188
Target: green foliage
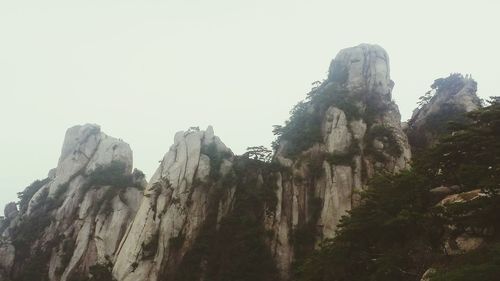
470	156
375	107
388	237
314	162
347	158
114	174
33	257
454	83
216	158
101	272
150	247
97	272
425	99
35	267
303	237
24	235
61	190
476	217
436	123
236	250
303	129
482	264
385	135
26	195
260	153
68	248
398	232
27	231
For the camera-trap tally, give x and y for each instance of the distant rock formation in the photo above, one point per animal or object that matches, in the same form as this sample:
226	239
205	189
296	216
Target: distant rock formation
175	206
76	217
194	215
359	133
448	100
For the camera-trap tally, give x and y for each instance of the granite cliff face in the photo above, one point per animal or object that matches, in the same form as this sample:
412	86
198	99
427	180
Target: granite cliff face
175	206
359	133
207	214
77	216
447	101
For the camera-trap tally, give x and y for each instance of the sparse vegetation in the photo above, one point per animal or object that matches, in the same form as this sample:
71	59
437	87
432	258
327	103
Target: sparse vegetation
216	158
97	272
114	174
150	247
26	195
236	249
177	241
387	137
68	247
260	153
303	129
347	158
454	83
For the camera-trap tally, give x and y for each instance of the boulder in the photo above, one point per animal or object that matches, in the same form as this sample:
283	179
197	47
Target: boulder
10	211
462	197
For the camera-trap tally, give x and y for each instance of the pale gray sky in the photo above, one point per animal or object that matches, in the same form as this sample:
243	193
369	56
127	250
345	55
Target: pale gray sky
146	69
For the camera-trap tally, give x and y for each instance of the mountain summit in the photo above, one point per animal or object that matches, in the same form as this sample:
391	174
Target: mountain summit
208	214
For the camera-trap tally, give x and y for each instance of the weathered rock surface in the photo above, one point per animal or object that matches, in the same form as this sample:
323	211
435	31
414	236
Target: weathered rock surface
361	133
460	243
448	100
363	69
175	205
74	219
147	235
462	197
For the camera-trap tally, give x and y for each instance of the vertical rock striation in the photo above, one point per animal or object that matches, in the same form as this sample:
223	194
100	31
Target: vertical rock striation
76	217
207	214
175	206
359	134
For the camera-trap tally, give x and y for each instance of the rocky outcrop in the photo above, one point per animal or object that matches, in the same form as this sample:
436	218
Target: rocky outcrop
360	134
205	212
78	215
175	206
448	100
462	242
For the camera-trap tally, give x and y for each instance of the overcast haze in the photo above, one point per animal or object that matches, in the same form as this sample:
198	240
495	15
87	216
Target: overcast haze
146	69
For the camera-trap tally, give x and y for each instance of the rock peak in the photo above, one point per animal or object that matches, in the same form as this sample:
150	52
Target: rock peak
85	147
448	100
362	69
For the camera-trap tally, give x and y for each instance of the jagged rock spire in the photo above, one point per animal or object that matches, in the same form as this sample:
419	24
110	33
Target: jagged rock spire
448	100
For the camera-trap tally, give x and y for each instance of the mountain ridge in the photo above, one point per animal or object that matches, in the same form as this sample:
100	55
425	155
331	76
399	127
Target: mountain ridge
101	218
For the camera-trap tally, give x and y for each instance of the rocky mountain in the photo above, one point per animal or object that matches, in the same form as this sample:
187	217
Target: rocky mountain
448	100
340	136
207	214
78	215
